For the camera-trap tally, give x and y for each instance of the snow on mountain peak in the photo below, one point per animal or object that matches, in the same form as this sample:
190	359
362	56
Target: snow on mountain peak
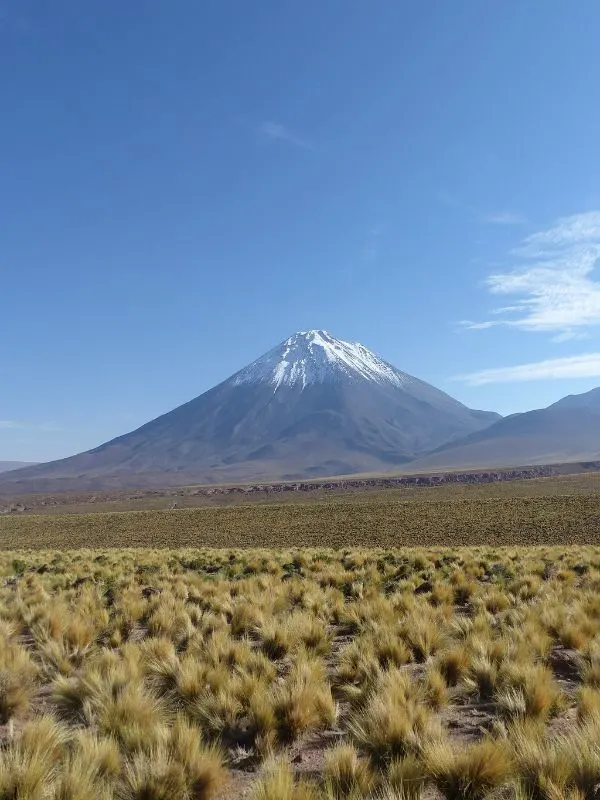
315	356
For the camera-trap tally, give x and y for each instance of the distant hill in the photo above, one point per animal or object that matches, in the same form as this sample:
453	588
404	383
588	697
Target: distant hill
6	466
568	430
312	406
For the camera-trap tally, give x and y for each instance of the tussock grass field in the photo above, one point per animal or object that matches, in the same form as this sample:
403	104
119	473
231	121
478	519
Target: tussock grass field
364	520
300	674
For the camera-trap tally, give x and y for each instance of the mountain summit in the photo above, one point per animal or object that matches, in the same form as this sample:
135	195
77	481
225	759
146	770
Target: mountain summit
312	406
311	357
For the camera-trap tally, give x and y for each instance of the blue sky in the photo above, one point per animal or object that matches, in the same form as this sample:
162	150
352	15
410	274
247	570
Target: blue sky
184	184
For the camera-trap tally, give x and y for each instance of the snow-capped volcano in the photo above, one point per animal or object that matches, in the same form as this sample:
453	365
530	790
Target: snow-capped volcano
314	405
310	357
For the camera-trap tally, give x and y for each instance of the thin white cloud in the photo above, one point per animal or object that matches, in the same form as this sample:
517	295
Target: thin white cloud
499	217
503	218
582	366
477	326
553	284
566	231
277	132
44	427
570	335
371	250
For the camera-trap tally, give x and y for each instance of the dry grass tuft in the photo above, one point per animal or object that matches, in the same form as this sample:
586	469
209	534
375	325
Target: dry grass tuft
468	773
278	784
394	720
406	778
346	774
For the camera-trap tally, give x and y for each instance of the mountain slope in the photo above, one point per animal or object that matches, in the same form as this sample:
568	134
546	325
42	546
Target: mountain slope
314	405
568	430
7	466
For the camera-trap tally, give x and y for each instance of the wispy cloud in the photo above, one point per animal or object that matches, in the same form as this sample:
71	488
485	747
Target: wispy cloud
371	250
566	231
553	286
503	218
498	217
14	424
277	132
583	366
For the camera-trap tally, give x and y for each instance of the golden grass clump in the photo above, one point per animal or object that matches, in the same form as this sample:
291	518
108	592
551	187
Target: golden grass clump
181	766
453	664
405	778
394	720
29	767
468	773
552	767
278	783
528	691
304	700
346	774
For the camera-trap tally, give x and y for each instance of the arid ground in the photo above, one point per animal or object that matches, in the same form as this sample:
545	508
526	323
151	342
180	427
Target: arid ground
385	644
